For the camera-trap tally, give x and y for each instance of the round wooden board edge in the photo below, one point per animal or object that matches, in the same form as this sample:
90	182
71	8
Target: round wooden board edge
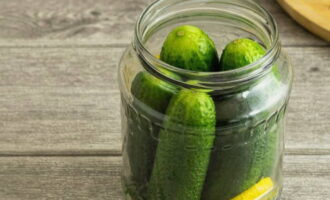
304	21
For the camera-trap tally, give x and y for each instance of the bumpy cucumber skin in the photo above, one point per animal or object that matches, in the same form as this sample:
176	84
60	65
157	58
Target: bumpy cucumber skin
184	148
227	171
152	91
242	52
141	142
239	53
258	150
234	170
188	47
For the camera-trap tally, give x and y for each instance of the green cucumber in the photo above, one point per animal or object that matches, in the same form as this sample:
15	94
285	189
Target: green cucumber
188	47
184	148
229	165
243	155
239	53
152	91
154	94
242	52
273	151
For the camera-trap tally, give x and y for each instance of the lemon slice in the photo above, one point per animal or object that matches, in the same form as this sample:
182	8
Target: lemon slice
263	186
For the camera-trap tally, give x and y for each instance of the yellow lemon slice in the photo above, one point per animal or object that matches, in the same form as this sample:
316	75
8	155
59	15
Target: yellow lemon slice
263	186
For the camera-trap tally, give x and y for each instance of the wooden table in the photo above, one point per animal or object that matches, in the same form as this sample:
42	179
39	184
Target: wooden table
59	119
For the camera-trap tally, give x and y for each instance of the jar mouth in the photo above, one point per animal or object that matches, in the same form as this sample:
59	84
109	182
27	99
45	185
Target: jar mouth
214	80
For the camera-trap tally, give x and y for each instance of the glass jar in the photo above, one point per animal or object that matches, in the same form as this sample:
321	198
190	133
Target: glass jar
174	153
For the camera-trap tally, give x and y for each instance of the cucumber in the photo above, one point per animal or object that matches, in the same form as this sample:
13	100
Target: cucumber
184	148
273	151
243	155
152	91
188	47
238	162
141	140
228	168
239	53
242	52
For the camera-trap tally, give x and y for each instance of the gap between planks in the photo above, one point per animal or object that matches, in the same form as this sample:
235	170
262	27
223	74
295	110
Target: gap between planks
105	153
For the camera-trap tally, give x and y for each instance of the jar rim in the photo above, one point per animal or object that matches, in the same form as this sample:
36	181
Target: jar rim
248	72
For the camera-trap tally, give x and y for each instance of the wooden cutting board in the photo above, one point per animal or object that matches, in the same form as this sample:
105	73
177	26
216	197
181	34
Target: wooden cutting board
312	14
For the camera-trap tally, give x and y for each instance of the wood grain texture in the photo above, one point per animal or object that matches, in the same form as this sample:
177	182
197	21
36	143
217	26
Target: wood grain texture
37	178
55	101
101	22
313	15
309	110
65	101
306	177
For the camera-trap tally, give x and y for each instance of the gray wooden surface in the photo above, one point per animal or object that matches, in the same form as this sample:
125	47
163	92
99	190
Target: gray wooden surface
59	118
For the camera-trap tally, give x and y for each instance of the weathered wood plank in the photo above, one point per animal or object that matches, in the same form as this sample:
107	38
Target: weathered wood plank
101	22
66	22
59	178
55	101
306	177
309	110
72	105
40	67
